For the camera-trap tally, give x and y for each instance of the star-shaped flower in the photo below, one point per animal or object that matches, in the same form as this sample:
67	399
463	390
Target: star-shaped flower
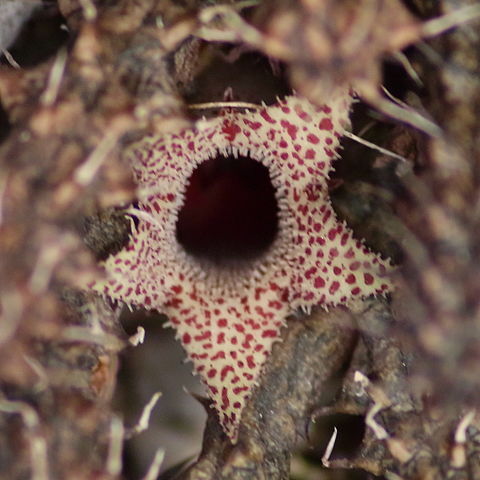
235	231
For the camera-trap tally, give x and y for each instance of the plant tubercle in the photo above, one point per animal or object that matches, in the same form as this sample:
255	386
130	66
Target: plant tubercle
235	231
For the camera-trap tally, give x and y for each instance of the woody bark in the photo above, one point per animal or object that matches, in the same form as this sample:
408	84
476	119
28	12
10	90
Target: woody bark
122	75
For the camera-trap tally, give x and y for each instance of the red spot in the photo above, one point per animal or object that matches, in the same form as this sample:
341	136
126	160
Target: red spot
325	124
350	278
355	291
211	373
313	193
337	270
309	296
303	209
174	303
221	338
251	362
230	130
237	390
252	125
312	138
269	333
301	114
310	272
259	291
225	400
239	328
224	371
291	129
254	325
354	266
177	289
220	354
319	282
222	322
237	405
203	336
334	287
246	343
186	338
264	114
329	152
350	253
275	304
309	154
368	278
170	197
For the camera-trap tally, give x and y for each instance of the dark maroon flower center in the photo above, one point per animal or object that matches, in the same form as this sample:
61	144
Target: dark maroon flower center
230	210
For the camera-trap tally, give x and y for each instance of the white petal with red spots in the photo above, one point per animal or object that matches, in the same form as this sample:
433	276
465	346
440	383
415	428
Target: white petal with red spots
226	318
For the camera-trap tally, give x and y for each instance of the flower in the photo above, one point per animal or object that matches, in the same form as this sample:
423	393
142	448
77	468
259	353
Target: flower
228	310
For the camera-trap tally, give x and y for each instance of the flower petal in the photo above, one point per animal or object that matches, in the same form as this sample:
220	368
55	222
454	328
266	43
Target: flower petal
227	317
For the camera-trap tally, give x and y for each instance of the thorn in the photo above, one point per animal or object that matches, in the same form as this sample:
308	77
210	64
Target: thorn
205	402
329	449
144	420
154	469
138	338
